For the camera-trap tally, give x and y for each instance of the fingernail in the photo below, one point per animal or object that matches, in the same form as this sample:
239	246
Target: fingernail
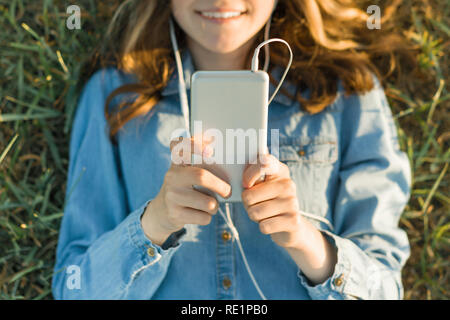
229	194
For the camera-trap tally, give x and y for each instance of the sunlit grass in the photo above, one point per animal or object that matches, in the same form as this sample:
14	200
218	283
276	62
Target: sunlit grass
39	64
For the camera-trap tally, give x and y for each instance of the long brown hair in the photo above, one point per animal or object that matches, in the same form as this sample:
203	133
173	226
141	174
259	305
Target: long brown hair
329	38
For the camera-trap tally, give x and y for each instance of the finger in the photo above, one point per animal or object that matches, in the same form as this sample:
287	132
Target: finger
188	197
204	178
271	208
181	150
280	223
268	190
268	166
193	216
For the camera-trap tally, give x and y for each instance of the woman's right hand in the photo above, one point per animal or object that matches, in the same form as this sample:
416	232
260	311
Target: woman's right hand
178	203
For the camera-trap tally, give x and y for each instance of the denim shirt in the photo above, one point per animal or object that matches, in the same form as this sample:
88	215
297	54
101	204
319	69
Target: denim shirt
352	179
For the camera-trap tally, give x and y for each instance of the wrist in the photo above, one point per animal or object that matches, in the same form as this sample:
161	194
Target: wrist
151	227
316	256
305	238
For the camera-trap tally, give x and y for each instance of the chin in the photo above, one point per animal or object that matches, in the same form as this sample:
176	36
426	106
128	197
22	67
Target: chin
222	46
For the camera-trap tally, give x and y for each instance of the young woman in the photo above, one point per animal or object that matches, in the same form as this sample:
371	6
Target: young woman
324	222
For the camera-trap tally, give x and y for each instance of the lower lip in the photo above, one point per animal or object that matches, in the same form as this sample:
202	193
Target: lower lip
221	20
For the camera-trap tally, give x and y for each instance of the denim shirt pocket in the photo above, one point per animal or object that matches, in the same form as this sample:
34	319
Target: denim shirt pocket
317	150
311	164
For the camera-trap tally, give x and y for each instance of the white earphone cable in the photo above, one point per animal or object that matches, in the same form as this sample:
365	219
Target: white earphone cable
235	233
255	62
181	83
266	48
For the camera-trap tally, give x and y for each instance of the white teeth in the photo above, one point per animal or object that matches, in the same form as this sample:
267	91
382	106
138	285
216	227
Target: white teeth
220	15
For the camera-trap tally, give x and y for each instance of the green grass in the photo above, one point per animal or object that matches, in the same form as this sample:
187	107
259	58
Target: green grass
39	65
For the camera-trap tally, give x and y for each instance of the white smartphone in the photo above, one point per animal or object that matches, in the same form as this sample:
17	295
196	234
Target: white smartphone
233	105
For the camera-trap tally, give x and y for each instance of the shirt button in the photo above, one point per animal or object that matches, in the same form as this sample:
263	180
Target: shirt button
339	280
151	252
301	153
226	283
226	236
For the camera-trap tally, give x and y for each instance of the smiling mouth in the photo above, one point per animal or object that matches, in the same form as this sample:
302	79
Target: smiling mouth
221	15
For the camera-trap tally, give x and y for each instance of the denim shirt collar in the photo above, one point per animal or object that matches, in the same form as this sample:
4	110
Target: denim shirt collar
189	69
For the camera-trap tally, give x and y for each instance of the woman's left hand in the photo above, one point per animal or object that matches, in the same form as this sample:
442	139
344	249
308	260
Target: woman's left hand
273	203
